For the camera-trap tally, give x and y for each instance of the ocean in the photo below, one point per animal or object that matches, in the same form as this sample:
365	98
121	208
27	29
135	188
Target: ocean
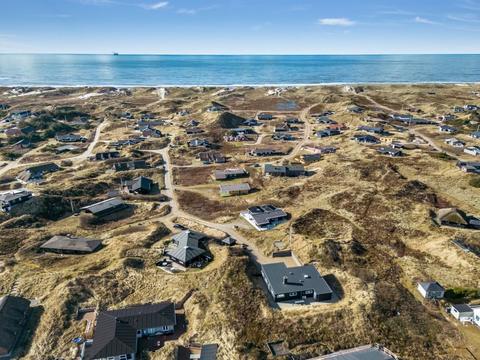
230	70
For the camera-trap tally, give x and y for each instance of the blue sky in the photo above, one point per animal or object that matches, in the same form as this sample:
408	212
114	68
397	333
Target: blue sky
240	26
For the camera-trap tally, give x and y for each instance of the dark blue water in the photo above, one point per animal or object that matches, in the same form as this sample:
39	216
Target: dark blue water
154	70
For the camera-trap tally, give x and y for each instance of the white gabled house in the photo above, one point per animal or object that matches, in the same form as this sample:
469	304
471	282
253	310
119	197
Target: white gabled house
472	150
431	290
462	312
476	314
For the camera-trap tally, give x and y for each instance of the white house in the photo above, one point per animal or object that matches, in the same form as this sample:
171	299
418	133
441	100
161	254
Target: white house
472	150
476	314
431	290
462	312
447	129
455	142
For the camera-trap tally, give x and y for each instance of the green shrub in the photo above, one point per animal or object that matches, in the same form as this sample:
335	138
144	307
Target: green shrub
459	294
441	156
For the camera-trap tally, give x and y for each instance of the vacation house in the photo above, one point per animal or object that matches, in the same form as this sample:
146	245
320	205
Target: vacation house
264	217
295	283
117	332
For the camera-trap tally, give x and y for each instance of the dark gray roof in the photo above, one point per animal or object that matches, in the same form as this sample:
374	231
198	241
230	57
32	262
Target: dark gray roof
283	170
14	195
187	246
37	172
130	165
298	278
431	286
209	352
223	174
188	238
13	313
229	240
59	242
115	333
263	214
140	183
105	207
462	308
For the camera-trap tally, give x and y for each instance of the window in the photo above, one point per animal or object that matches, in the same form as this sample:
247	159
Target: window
308	292
280	296
293	294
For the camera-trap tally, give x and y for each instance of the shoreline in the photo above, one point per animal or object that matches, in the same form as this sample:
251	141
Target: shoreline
455	83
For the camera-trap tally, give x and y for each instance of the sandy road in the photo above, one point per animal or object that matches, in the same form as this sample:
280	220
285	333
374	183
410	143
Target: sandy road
176	212
84	156
412	131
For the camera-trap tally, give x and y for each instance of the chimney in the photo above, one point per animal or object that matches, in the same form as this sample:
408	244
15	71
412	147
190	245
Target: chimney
285	280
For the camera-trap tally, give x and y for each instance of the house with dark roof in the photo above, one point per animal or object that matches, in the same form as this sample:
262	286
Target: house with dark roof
209	352
372	130
355	109
193	131
14	313
264	217
475	134
454	217
105	207
327	133
264	116
294	170
325	120
8	199
150	131
67	138
462	312
366	139
187	247
311	158
117	331
283	137
140	185
130	165
71	245
447	129
295	283
431	290
35	174
126	142
234	189
106	155
212	157
228	174
199	143
390	151
469	167
265	152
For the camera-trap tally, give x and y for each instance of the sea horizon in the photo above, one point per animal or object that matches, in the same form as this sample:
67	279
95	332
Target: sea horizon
171	70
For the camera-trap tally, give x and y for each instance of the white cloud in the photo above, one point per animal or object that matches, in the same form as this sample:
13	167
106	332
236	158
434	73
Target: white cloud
187	11
422	20
336	22
157	6
464	18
